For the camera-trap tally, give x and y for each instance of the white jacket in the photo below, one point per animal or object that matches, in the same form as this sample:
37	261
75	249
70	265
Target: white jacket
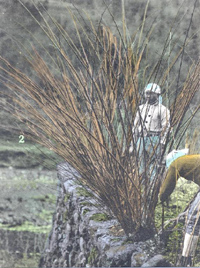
152	119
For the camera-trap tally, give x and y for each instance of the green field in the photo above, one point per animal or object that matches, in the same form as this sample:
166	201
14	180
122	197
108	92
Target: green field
28	199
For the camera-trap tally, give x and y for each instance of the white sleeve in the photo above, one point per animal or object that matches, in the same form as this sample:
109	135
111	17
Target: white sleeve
165	123
135	130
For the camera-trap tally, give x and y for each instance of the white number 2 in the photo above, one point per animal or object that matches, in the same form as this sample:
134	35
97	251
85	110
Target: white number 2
21	139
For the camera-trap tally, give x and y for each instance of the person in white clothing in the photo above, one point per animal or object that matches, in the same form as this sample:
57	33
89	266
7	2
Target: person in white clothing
151	125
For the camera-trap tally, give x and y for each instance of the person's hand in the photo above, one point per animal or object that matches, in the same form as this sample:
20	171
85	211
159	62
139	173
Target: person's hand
164	197
165	202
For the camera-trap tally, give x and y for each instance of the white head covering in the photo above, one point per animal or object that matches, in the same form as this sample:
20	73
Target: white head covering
152	87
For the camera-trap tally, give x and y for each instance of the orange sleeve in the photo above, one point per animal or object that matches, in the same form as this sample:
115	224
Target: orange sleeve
169	183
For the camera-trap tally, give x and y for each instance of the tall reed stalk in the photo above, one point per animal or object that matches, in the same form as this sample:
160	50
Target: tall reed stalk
85	112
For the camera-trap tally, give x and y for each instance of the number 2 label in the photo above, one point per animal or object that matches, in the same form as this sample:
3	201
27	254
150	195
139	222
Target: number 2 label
21	139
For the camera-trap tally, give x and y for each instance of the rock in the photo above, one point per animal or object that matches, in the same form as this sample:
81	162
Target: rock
82	244
120	256
138	258
81	260
157	261
82	237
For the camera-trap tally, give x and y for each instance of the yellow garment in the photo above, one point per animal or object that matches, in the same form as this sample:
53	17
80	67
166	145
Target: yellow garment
187	166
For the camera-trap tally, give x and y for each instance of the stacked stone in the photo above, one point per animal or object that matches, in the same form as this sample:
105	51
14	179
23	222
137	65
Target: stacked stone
78	239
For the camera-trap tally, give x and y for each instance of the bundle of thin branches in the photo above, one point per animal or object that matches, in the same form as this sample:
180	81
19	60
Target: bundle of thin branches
79	117
185	96
86	114
181	104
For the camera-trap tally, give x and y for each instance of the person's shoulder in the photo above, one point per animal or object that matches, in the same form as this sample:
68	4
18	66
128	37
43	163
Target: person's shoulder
163	107
142	105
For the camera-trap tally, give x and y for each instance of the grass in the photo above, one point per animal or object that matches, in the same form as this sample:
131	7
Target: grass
26	260
26	155
29	183
50	198
174	231
26	147
29	226
30	197
179	199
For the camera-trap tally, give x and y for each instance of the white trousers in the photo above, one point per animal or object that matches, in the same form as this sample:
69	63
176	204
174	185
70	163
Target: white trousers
190	244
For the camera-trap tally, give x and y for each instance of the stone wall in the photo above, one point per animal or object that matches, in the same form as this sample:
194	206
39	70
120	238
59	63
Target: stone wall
84	235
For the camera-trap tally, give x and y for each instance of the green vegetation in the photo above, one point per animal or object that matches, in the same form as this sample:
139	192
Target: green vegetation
27	227
21	183
65	216
174	230
46	215
86	211
92	256
25	260
88	204
173	247
66	198
100	217
84	192
29	198
26	155
50	198
179	199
